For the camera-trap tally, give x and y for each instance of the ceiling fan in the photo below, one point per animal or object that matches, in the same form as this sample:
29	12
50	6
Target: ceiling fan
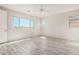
43	9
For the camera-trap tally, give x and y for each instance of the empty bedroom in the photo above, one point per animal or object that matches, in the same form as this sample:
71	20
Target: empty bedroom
39	29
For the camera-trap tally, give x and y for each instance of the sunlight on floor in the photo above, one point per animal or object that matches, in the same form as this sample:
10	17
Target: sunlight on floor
43	37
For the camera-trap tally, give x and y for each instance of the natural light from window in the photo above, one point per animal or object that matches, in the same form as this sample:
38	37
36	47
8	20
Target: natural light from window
22	22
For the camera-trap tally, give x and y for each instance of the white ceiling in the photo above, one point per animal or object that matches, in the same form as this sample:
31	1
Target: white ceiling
50	9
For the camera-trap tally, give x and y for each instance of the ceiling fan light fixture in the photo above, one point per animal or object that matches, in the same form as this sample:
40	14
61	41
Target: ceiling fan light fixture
28	10
41	9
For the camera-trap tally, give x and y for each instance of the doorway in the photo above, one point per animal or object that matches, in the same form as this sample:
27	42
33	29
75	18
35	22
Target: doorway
3	26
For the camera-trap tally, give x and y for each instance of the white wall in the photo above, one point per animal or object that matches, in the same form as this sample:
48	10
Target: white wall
58	26
18	33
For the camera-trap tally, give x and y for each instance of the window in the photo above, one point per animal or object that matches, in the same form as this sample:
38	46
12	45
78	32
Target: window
16	21
22	22
74	22
43	23
32	23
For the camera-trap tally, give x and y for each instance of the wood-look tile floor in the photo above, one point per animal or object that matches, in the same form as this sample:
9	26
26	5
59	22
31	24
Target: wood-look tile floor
41	46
